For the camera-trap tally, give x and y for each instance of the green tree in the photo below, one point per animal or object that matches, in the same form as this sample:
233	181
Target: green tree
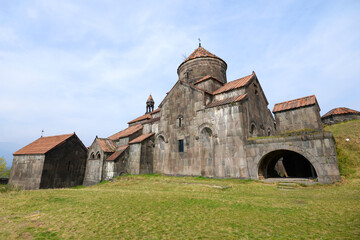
4	170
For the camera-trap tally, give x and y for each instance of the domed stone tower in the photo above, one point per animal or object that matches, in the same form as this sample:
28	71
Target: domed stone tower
200	64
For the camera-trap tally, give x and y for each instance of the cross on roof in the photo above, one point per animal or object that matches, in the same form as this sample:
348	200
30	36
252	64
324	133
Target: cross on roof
199	42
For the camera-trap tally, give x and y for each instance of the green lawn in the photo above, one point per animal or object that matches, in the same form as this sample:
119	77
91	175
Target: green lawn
153	207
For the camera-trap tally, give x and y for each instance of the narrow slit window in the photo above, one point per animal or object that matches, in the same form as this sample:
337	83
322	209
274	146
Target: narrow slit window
181	145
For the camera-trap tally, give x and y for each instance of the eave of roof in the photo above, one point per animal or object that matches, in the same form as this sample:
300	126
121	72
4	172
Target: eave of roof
227	101
126	132
117	153
184	84
200	52
296	103
208	77
238	83
340	111
43	145
141	138
106	145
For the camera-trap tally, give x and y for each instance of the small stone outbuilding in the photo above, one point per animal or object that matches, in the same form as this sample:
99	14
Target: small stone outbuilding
340	114
50	162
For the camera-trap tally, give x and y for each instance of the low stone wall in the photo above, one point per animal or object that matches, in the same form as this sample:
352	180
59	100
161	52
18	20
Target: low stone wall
317	148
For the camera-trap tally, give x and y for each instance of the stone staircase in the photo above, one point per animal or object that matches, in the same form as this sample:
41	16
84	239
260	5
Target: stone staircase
290	183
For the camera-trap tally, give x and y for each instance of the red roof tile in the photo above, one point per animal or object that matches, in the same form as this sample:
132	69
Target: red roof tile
141	138
226	101
118	152
43	144
126	132
339	111
241	82
155	111
107	145
200	52
207	78
296	103
143	117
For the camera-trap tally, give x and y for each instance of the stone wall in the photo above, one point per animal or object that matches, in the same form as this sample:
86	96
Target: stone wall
300	118
195	69
26	171
133	163
318	149
64	165
94	166
117	167
340	118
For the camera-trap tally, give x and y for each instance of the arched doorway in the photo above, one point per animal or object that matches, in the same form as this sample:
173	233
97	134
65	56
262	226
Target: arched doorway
207	152
286	164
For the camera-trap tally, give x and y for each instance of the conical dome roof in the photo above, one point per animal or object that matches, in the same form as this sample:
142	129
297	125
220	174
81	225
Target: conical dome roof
150	98
200	52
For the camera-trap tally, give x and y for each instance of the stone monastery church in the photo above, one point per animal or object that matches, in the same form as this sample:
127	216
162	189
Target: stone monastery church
207	126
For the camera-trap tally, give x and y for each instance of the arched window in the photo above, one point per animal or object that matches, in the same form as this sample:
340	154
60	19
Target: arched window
92	156
253	130
256	90
97	155
180	121
268	131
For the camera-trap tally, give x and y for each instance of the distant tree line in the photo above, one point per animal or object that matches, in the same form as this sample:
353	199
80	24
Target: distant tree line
4	170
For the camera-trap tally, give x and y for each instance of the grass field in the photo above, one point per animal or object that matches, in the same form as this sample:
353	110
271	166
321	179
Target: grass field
160	207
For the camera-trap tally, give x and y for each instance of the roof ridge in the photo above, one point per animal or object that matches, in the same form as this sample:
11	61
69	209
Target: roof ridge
234	84
42	145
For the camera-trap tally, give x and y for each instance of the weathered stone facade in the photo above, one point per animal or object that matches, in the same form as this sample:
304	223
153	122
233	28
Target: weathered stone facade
337	115
206	126
50	162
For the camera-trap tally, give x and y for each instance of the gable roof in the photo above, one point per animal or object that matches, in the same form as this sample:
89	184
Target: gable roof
126	132
339	111
184	84
141	138
107	145
43	144
155	111
117	153
226	101
208	77
200	52
296	103
143	117
238	83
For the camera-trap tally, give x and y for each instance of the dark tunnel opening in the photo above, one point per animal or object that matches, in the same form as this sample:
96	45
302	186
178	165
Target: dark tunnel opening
286	164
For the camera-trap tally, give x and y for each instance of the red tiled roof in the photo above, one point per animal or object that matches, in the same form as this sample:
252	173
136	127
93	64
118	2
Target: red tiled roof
200	52
207	78
141	138
153	120
143	117
126	132
155	111
117	153
43	144
340	110
107	145
296	103
226	101
241	82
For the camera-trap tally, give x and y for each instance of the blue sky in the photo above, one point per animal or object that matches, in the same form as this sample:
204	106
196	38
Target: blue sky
89	66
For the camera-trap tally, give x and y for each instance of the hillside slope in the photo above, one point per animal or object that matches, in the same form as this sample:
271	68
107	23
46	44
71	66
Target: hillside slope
348	152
